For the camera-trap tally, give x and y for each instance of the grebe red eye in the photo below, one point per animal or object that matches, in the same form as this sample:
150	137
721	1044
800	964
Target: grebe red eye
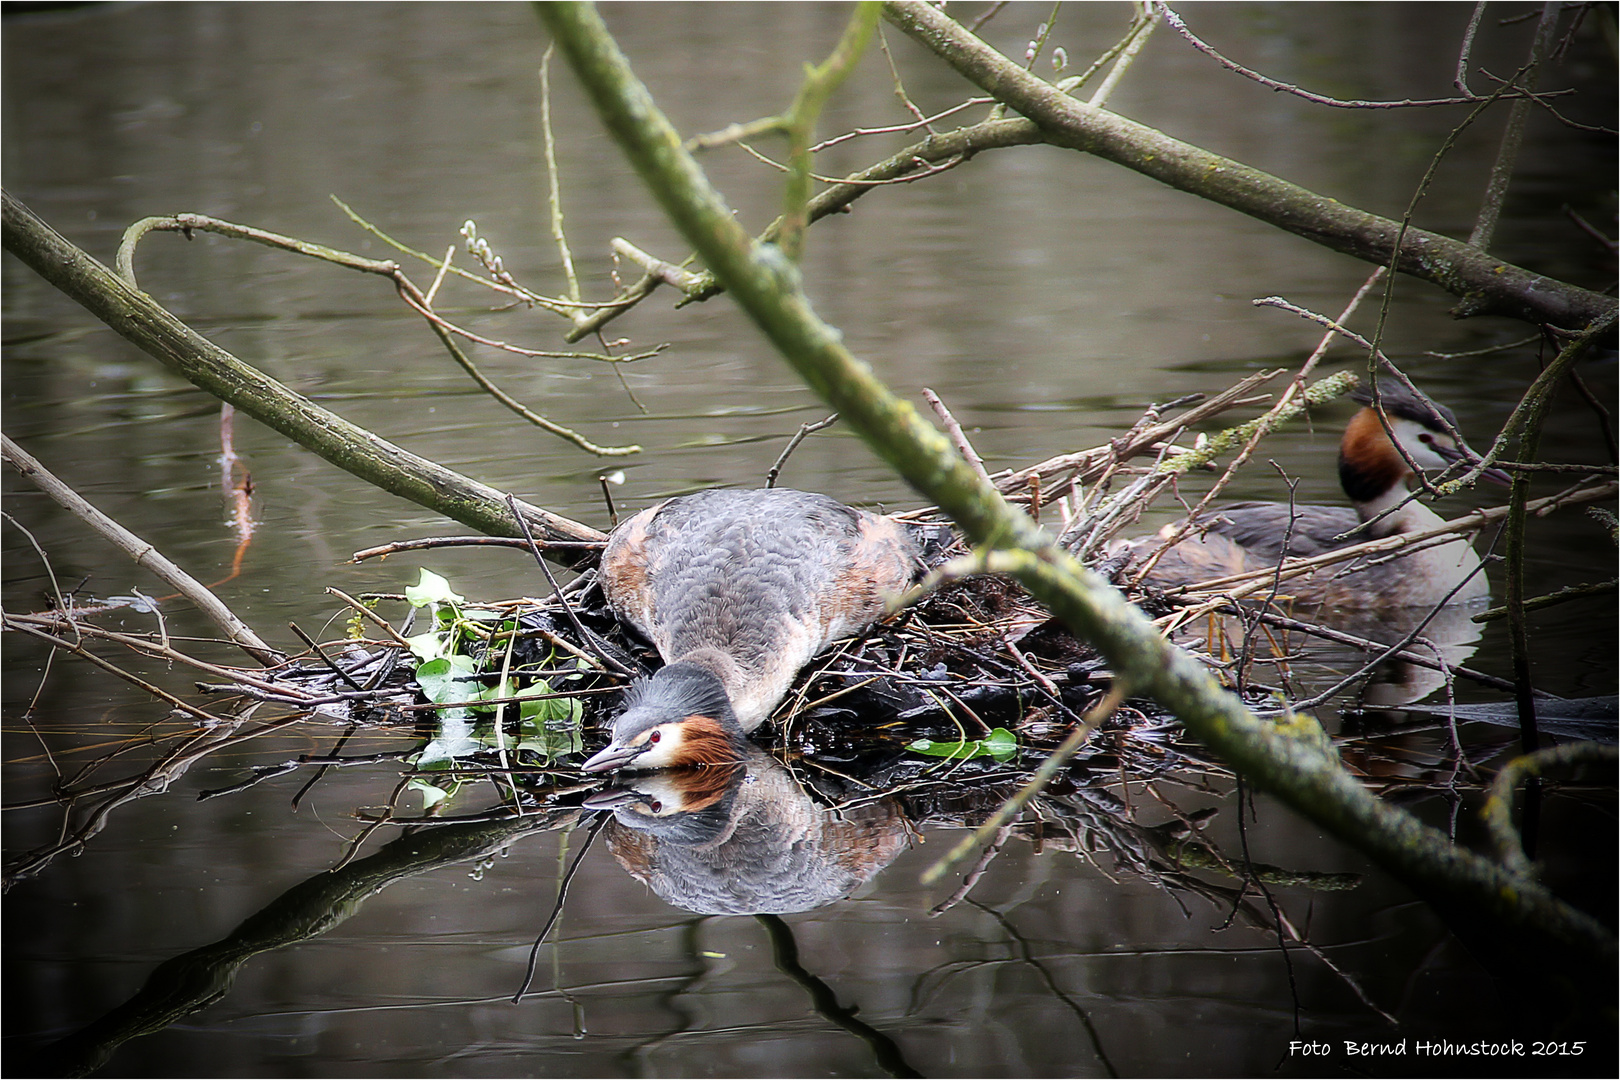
655	806
655	736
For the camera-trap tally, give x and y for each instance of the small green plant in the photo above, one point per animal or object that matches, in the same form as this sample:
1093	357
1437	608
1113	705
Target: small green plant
465	665
355	627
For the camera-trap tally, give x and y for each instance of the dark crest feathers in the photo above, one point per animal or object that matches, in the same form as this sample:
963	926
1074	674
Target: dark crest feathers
687	687
1397	400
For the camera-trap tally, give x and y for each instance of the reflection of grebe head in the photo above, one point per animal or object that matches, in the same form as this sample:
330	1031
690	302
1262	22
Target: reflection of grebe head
679	717
683	806
1370	466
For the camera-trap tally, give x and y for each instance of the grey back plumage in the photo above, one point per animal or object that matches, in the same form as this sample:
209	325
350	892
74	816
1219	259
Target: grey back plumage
752	583
1261	527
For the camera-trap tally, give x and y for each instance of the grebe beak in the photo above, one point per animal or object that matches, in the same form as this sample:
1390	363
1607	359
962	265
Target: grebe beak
614	756
611	799
1451	454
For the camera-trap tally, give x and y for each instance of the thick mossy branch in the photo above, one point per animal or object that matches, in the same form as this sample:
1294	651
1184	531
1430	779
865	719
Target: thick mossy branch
1498	809
156	332
1299	768
1486	285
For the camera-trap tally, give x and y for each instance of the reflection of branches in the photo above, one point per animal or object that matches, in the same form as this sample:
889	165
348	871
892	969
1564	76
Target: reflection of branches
154	780
361	682
1048	769
186	983
1380	652
1340	637
888	1055
1028	956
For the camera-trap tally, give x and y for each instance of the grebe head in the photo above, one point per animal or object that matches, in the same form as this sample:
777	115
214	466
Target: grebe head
679	717
1370	466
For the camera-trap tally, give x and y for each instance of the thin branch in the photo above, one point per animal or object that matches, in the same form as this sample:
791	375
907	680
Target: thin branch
1488	285
1507	155
78	649
953	429
677	276
1465	54
554	186
1402	543
443	331
1552	599
1142	27
920	122
1498	808
585	636
800	119
429	542
144	554
793	444
1272	84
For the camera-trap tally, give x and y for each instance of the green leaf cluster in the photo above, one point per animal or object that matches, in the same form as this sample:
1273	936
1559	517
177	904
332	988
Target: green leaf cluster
465	664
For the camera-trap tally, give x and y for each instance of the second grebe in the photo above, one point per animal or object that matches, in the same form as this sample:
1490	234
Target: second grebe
738	590
1247	536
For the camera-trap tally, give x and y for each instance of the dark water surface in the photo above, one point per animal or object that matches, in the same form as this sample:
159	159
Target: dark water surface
1045	295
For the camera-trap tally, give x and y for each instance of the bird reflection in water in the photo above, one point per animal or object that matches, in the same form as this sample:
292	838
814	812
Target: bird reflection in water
745	838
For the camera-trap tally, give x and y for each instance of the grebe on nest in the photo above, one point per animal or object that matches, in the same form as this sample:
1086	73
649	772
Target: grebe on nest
1247	536
738	590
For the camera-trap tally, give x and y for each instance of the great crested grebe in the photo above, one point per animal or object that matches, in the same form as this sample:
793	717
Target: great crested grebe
738	590
1249	536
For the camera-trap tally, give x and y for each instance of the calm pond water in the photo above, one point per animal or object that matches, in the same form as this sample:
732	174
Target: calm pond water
1048	297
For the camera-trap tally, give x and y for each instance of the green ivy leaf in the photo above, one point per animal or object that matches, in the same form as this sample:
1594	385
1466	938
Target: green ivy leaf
429	646
449	678
432	794
431	589
454	740
549	739
1000	744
